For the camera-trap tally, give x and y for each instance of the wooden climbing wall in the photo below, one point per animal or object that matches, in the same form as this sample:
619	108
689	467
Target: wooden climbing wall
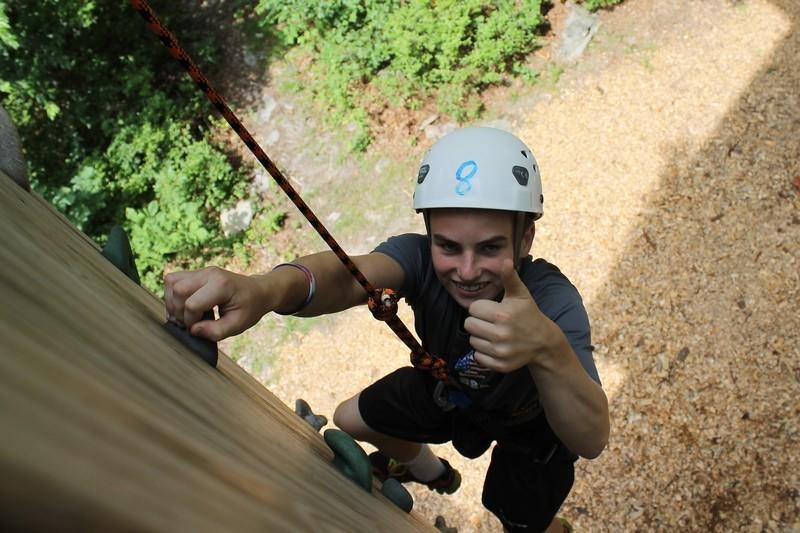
108	423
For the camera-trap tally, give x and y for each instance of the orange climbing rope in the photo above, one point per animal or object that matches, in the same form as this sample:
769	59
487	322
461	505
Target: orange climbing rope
382	302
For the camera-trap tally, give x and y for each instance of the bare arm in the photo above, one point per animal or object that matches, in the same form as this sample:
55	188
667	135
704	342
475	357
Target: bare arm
576	407
243	300
513	333
337	289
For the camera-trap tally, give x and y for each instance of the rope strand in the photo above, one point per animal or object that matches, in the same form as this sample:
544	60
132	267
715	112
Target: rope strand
419	357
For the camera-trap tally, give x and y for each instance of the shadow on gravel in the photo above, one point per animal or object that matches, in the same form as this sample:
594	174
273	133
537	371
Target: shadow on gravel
703	317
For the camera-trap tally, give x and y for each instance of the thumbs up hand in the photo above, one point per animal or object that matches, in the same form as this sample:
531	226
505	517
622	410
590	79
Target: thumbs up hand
512	333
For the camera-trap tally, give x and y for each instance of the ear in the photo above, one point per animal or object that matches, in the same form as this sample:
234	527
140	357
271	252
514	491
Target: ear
527	240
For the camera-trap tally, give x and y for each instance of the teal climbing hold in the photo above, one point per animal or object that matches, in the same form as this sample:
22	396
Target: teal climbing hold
118	251
349	458
203	348
303	410
396	493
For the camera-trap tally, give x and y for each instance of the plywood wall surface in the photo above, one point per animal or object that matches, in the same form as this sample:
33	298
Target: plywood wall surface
108	423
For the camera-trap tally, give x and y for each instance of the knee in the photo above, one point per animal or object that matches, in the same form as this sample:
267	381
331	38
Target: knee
340	416
348	418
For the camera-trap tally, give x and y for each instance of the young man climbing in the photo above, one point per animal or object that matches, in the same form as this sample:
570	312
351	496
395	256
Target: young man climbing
513	332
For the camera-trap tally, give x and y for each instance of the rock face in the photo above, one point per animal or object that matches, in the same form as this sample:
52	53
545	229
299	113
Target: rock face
11	160
237	218
434	132
579	30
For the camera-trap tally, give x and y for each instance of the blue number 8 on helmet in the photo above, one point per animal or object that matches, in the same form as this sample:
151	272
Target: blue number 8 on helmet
480	168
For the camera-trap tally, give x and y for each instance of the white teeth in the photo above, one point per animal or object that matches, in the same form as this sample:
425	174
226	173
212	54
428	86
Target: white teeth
471	288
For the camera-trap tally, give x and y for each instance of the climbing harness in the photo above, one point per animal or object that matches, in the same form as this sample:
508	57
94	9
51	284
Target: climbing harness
382	302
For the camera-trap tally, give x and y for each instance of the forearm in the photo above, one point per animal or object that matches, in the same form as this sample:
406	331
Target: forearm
336	288
576	407
243	300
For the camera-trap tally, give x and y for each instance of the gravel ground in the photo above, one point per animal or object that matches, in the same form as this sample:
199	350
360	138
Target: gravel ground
669	155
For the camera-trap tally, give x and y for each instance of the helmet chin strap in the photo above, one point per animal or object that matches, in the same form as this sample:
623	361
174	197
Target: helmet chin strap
520	220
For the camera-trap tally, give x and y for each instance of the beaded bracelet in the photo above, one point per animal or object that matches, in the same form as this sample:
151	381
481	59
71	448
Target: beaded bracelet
312	285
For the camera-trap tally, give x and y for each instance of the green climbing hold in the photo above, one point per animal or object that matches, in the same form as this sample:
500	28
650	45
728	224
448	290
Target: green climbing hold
396	493
118	251
349	458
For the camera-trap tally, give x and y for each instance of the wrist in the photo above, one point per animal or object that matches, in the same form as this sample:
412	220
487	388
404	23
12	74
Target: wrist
265	292
551	354
291	303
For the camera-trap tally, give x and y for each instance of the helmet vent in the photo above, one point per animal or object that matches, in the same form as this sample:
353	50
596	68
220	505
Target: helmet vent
524	153
521	175
423	172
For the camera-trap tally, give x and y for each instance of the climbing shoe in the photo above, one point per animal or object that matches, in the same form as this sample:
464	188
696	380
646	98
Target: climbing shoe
384	467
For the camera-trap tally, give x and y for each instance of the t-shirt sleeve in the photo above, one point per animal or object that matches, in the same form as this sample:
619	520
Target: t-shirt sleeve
560	301
574	322
412	253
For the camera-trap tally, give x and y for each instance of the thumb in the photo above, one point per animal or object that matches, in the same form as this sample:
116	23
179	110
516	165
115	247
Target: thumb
513	285
213	330
230	323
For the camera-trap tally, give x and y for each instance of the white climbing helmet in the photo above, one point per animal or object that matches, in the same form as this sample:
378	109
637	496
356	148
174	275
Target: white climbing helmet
483	168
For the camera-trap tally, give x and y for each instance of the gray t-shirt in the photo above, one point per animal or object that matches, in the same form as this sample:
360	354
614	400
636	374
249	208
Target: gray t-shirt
439	323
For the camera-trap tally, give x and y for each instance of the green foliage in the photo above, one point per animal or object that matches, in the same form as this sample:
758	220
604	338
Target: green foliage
551	75
268	223
240	345
113	130
7	39
189	178
264	225
594	5
403	51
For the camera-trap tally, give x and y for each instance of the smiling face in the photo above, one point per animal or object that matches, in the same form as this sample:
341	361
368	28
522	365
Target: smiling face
468	247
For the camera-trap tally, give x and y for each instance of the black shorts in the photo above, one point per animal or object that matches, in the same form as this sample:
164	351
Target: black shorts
522	488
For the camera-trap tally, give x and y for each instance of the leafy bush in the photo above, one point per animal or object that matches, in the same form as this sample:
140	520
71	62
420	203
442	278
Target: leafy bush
190	178
7	38
405	50
594	5
113	130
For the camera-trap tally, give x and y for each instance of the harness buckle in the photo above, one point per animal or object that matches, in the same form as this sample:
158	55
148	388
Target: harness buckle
441	396
449	398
